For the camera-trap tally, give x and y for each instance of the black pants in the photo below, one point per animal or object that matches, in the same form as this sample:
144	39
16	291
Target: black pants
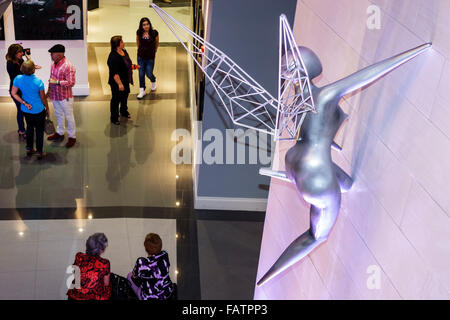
119	97
35	122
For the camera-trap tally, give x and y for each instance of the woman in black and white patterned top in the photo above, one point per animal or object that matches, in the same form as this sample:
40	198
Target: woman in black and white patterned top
150	277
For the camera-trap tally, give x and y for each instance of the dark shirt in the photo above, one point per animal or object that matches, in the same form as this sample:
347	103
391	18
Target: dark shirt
152	275
129	65
13	71
147	47
117	65
92	271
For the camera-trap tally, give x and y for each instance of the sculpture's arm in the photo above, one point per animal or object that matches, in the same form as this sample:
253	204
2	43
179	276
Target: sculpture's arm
372	73
274	174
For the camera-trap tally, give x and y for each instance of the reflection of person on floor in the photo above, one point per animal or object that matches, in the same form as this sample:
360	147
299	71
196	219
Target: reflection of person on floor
150	277
112	170
148	140
62	79
120	77
147	40
115	170
94	271
14	60
33	104
7	168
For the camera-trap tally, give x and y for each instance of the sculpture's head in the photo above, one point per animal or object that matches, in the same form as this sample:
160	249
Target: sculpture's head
311	61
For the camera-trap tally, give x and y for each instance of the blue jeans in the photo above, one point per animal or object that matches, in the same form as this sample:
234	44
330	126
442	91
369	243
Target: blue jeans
20	122
146	68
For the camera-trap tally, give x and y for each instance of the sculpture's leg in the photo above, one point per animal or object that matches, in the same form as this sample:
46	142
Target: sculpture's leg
322	220
296	251
344	180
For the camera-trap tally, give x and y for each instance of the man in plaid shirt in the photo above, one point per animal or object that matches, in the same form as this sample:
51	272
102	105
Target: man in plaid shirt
62	79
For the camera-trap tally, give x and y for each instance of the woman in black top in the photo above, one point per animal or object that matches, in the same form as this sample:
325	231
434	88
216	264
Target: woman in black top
120	77
150	277
147	41
13	63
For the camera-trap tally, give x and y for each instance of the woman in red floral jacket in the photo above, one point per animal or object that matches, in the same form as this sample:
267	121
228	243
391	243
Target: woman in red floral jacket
94	271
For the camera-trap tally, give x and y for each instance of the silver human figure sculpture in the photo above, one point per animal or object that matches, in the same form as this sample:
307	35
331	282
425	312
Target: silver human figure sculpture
308	162
300	105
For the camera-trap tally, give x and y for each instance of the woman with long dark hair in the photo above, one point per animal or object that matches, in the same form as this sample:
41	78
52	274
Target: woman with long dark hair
14	60
120	77
147	40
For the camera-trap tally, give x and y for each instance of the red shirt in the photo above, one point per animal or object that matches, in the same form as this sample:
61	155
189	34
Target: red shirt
92	271
64	72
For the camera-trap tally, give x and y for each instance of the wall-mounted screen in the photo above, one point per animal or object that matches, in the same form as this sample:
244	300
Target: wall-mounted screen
48	19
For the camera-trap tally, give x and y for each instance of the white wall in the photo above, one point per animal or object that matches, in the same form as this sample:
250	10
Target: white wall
76	52
396	144
114	2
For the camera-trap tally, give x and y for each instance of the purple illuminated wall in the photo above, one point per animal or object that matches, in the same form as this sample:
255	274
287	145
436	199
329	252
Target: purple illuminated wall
394	223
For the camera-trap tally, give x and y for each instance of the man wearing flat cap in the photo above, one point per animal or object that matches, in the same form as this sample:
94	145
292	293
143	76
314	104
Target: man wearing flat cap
62	79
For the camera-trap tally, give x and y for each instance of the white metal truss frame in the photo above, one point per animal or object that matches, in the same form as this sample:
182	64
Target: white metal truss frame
243	98
294	88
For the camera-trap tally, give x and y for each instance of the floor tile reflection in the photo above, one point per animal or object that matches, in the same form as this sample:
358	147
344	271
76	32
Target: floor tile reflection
109	166
228	258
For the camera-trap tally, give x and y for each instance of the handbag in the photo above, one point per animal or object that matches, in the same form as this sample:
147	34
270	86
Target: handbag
49	127
121	288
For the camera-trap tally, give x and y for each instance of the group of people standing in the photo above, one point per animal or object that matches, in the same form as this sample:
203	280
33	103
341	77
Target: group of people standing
28	91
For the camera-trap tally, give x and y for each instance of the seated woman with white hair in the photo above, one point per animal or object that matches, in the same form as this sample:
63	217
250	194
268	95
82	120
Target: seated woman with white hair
94	272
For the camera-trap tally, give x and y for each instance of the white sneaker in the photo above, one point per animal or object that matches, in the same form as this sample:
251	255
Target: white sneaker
153	86
141	93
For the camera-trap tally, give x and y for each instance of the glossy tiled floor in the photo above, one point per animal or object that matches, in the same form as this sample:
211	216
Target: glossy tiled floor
119	180
227	258
102	22
100	169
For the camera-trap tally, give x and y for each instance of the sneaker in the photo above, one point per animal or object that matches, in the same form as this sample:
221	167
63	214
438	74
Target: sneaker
141	93
71	142
55	137
153	86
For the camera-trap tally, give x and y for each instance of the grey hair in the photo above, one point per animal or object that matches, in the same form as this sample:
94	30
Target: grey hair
96	244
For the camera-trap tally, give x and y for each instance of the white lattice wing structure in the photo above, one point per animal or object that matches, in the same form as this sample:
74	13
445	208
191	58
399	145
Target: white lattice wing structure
246	102
294	88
